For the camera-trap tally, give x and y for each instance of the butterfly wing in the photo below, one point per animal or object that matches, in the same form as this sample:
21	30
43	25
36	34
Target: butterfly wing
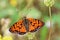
34	24
18	28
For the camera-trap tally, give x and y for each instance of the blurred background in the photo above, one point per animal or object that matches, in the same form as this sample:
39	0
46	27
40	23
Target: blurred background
13	10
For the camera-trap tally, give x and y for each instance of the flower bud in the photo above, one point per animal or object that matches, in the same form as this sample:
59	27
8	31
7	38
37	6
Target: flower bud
49	3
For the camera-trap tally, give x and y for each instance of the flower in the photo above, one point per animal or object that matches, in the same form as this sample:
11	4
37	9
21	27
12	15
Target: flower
13	2
7	38
30	35
0	37
49	3
48	23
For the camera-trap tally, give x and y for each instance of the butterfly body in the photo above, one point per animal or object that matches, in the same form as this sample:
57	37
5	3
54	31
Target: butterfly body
26	25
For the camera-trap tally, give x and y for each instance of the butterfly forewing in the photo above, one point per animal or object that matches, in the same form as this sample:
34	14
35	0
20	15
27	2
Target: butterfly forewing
18	27
34	24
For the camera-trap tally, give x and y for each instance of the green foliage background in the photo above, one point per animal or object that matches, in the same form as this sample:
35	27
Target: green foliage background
37	10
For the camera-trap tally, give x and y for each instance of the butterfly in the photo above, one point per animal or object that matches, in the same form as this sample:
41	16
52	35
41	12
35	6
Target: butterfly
26	25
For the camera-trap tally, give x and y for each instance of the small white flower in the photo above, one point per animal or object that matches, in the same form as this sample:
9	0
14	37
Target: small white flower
7	33
4	23
48	23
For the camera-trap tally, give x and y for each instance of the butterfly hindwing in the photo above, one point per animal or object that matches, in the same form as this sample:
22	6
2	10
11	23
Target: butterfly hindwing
18	28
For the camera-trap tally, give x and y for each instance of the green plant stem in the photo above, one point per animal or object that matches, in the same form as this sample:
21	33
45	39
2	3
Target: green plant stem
50	30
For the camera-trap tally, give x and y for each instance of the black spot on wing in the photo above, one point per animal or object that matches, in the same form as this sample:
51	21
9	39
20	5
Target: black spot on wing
22	33
36	29
33	25
38	21
11	30
21	24
30	22
33	30
16	30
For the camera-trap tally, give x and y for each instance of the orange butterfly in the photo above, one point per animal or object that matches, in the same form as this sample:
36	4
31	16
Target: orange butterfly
27	25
